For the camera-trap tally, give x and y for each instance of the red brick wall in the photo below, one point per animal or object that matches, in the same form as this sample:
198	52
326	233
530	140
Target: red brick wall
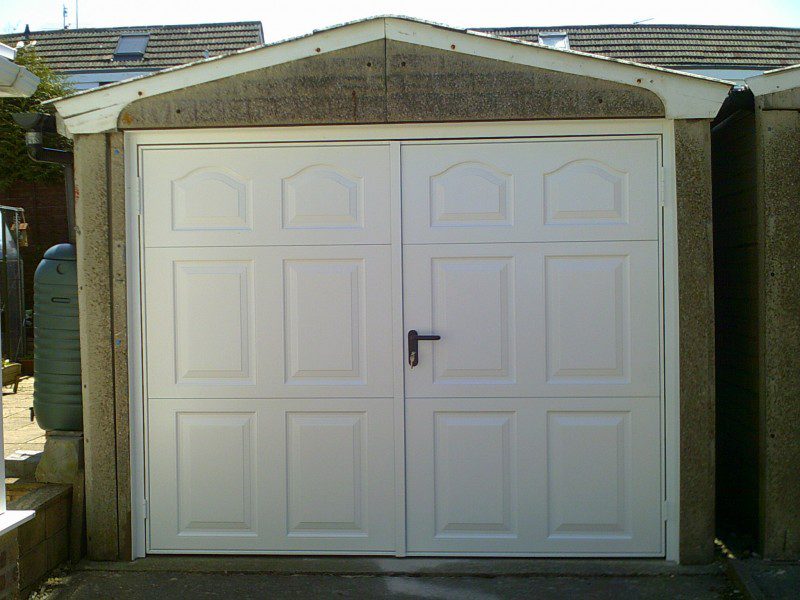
46	213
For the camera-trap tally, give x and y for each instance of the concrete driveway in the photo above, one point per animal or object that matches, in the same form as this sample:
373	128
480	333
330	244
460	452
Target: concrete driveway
320	578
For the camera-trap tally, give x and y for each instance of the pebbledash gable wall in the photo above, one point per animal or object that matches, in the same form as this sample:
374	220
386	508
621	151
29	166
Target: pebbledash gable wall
377	82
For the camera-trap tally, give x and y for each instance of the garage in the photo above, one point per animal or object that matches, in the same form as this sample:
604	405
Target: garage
352	330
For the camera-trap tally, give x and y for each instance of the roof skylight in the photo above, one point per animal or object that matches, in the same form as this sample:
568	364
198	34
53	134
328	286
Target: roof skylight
131	47
554	39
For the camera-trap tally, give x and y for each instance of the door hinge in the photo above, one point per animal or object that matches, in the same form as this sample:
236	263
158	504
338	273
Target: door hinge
134	193
146	509
661	186
667	508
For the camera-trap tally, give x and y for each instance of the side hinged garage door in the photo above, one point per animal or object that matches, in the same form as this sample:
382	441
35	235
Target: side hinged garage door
269	354
532	426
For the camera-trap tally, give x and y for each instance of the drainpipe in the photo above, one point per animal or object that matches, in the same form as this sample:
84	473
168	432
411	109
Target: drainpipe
35	126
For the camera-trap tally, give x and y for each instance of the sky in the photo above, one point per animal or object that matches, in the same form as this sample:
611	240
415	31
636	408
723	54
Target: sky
289	18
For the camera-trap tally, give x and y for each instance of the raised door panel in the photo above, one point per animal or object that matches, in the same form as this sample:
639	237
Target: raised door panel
332	475
600	314
214	312
266	195
326	472
468	483
481	299
475	486
269	322
210	199
530	191
325	321
207	477
470	194
588	341
217	473
589	467
474	302
600	476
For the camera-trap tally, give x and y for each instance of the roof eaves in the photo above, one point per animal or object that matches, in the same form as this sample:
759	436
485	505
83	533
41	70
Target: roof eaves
776	80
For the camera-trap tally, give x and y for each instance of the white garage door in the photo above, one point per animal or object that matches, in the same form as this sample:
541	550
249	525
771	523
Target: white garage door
274	417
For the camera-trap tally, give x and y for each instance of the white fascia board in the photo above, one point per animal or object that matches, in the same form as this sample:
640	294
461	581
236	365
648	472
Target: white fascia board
774	81
96	110
684	96
16	81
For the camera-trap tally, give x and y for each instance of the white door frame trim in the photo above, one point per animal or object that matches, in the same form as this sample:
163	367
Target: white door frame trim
136	141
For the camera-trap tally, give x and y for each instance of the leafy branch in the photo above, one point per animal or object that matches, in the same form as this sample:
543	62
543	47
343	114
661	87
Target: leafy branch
15	165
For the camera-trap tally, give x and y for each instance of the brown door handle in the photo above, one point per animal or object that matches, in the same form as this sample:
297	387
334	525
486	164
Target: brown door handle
413	346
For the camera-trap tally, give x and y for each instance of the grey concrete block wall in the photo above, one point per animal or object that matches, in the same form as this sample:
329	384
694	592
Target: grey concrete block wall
778	174
375	83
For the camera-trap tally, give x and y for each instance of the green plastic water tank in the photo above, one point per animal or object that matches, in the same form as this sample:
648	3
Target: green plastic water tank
57	347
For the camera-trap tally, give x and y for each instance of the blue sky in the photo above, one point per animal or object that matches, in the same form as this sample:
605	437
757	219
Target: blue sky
288	18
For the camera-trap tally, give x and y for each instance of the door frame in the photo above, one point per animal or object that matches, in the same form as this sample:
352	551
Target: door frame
137	141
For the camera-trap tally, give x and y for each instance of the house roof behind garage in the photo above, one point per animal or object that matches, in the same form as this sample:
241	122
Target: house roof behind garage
676	45
76	50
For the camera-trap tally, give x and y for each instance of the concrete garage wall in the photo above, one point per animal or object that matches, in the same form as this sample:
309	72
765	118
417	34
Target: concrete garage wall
100	229
378	82
696	324
778	175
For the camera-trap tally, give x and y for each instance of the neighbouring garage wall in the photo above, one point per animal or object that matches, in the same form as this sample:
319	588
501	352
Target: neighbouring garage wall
378	82
778	160
736	284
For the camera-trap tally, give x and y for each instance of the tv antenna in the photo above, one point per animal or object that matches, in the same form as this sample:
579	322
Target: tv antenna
65	14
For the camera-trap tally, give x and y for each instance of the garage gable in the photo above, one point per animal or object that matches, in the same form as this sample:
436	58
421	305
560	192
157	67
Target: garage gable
387	81
390	69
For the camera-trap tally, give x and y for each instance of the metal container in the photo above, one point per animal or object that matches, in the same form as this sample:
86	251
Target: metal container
57	349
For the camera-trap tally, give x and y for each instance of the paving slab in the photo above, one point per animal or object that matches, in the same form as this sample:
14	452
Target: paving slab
768	579
19	432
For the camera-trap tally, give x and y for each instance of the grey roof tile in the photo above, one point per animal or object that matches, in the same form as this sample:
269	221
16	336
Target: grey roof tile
71	50
677	45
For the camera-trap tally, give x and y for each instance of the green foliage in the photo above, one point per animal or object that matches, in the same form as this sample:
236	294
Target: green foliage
15	165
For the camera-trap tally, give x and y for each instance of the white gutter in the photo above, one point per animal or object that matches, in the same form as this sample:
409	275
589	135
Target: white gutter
15	81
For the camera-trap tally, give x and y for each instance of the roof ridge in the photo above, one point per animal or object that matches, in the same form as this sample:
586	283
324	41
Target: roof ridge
638	26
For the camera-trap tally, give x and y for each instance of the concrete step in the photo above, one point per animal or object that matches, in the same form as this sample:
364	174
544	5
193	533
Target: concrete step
23	463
